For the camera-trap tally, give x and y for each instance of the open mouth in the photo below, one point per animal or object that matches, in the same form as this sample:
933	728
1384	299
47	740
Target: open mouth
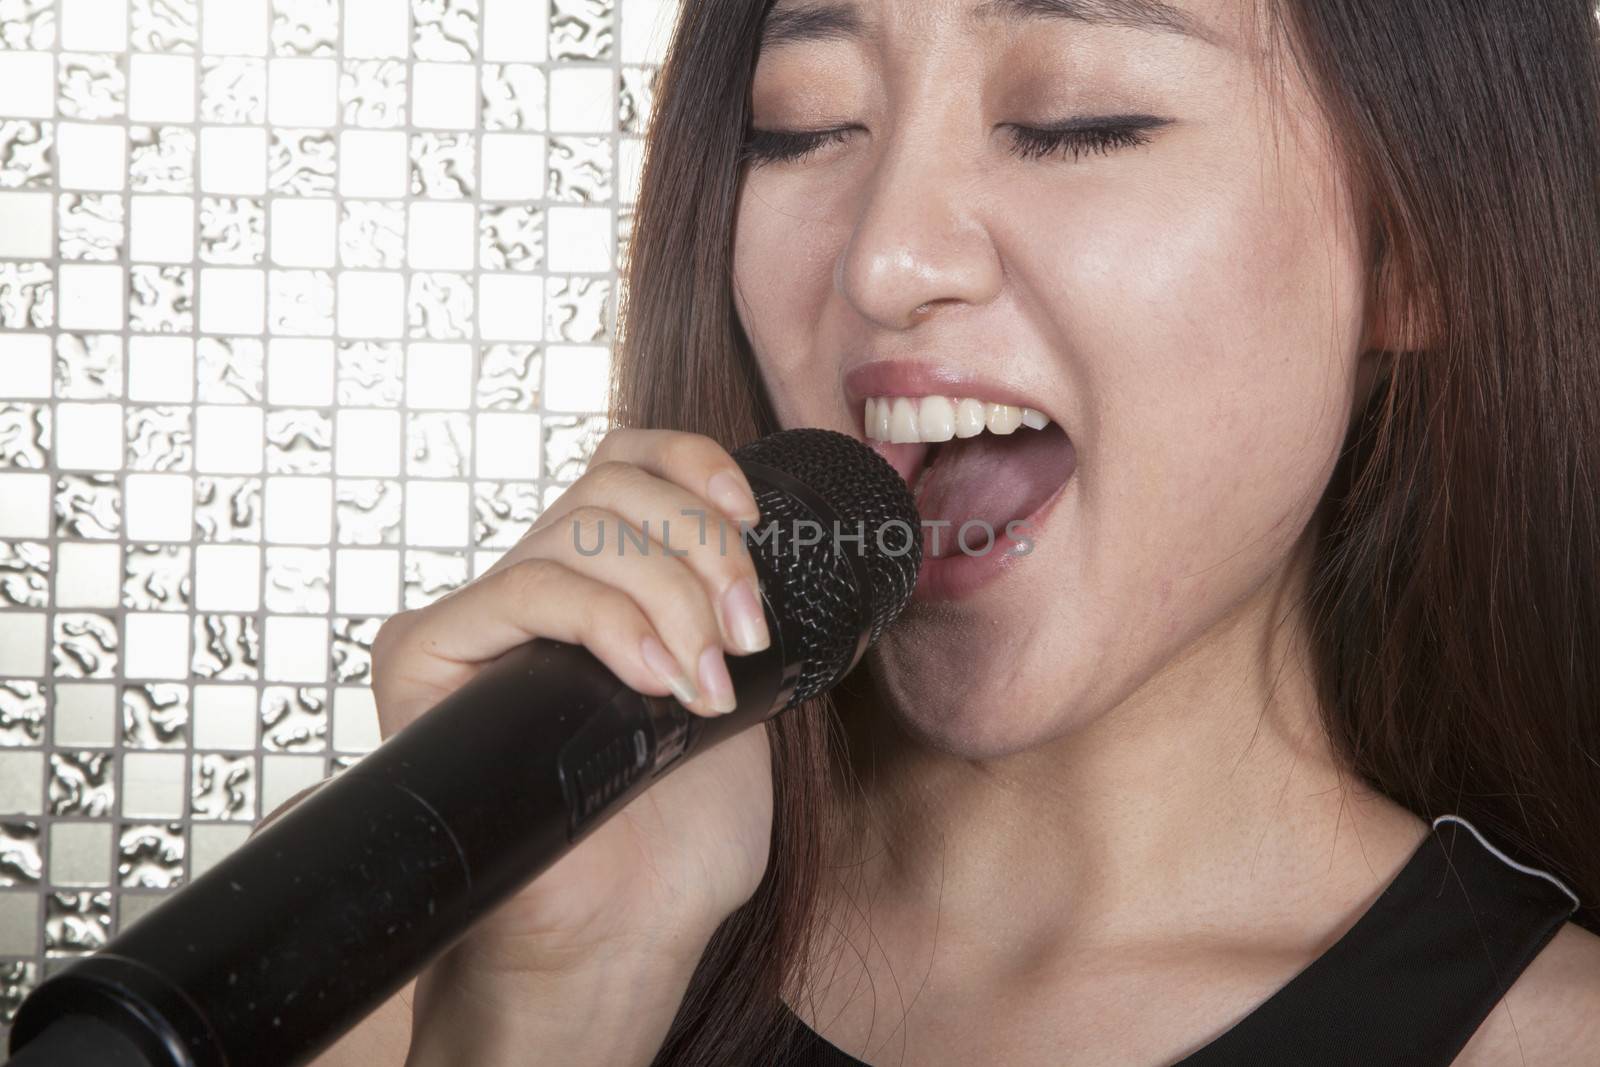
971	461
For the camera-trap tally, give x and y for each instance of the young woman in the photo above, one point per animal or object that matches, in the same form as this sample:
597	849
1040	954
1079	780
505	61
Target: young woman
1282	742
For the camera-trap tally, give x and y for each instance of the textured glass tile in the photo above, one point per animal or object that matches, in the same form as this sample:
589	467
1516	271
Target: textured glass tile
511	237
17	979
437	444
582	29
444	29
624	232
24	436
150	855
76	923
80	853
83	646
372	93
513	97
431	574
440	306
372	234
443	165
223	787
22	713
305	27
155	715
161	159
635	99
580	170
300	303
352	650
233	90
160	299
88	366
228	510
229	370
578	309
21	862
368	374
25	154
503	512
299	441
232	230
91	86
297	580
160	439
28	25
300	162
156	578
569	442
509	376
367	512
27	296
226	648
83	783
163	25
91	226
294	719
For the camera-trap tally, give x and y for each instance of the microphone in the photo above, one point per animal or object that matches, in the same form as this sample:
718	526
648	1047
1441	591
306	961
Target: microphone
302	931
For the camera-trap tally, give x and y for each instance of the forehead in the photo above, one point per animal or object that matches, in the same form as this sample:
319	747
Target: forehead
792	22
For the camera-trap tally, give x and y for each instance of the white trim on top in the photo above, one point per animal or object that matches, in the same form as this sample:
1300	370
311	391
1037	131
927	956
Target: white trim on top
1507	860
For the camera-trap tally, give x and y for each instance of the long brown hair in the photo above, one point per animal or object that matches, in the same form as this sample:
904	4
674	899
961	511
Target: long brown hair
1455	603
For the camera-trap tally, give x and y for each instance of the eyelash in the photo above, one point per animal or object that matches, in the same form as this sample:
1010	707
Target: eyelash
1076	137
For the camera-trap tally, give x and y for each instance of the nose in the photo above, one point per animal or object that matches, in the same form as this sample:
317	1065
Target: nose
919	245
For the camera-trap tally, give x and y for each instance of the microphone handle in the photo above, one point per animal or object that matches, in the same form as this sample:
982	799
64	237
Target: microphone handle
297	935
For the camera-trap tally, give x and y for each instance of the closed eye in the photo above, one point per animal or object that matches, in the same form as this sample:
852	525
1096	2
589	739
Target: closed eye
1098	135
1074	138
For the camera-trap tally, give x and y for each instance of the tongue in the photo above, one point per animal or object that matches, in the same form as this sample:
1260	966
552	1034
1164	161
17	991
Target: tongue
994	479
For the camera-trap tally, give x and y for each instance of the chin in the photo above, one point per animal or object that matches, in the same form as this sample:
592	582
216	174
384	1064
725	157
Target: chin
966	703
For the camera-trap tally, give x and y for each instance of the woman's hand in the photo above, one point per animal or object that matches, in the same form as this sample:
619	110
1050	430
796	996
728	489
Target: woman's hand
661	874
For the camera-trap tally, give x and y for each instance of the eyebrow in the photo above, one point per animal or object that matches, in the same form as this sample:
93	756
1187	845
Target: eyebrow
842	21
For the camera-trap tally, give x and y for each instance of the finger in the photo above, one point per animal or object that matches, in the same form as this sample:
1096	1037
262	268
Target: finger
542	598
678	523
693	461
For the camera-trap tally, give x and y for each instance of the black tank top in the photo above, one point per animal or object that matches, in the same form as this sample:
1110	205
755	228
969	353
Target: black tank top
1408	984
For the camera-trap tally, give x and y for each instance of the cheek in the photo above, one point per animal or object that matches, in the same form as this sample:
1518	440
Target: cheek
1212	328
782	278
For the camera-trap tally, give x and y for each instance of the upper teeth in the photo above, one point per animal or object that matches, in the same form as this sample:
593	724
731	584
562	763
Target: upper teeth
909	419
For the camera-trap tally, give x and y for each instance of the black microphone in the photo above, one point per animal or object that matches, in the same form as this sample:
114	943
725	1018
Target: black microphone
301	932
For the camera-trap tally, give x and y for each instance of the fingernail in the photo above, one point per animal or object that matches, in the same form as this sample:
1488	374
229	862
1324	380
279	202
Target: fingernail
741	610
715	681
660	661
733	498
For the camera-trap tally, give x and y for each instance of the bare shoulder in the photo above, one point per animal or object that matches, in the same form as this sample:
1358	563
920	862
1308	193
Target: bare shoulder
1551	1014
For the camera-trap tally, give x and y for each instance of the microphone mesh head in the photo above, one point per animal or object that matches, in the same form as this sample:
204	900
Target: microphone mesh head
837	590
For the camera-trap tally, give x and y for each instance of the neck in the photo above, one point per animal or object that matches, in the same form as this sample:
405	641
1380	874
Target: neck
1209	801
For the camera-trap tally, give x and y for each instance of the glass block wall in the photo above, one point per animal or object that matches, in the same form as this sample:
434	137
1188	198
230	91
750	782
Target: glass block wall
305	312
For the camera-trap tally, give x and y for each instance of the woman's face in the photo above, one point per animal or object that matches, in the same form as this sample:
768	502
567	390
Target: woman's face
1180	290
